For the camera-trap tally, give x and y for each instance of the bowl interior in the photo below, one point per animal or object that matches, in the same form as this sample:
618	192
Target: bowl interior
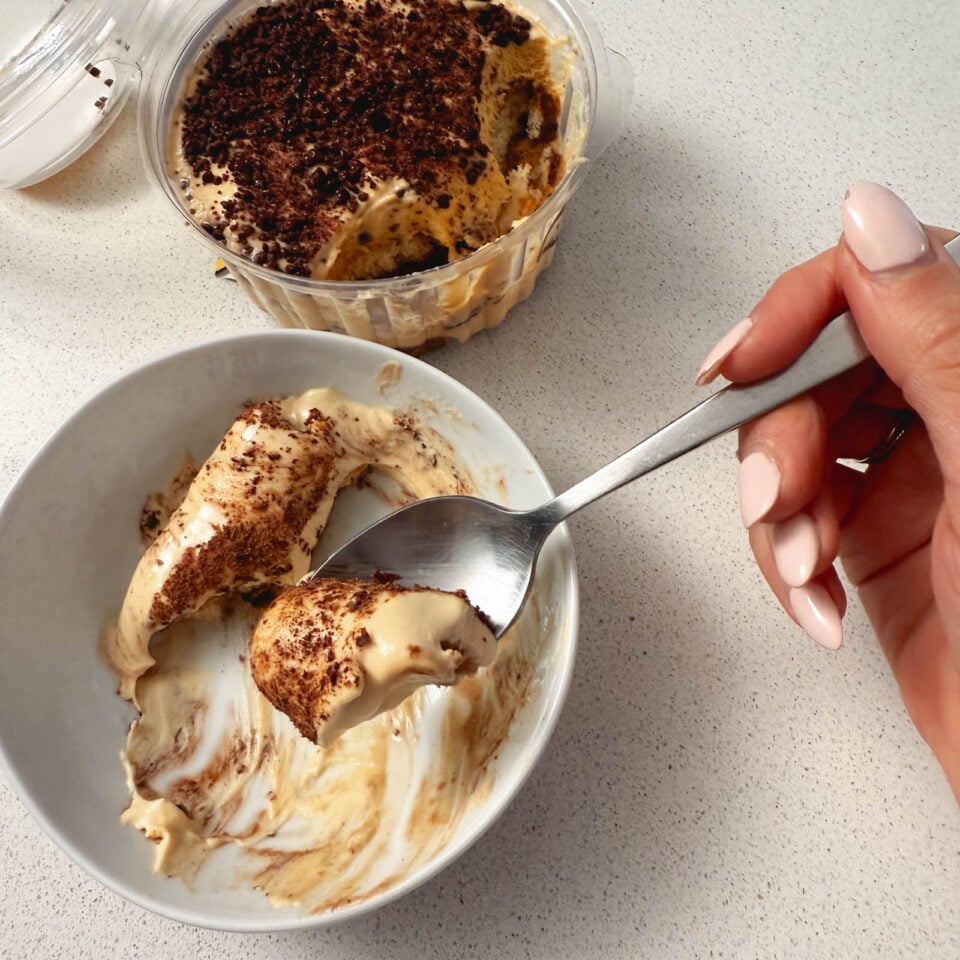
69	539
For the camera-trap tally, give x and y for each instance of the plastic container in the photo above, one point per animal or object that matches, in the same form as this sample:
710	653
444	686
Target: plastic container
410	312
67	67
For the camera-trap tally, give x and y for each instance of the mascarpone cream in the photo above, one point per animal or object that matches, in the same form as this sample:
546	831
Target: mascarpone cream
222	781
252	515
333	653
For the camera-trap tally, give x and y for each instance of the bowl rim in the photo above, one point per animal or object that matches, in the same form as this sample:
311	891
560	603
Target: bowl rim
533	749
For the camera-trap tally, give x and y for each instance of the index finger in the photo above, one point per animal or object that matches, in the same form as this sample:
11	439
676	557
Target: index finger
787	319
798	304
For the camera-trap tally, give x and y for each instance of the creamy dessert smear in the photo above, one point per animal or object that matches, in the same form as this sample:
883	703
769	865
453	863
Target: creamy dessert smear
333	653
211	763
359	139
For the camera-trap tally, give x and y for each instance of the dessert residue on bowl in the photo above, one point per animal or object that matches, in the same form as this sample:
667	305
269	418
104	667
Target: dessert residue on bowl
221	780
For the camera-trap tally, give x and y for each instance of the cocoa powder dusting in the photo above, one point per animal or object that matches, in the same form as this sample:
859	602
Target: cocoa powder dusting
304	101
255	544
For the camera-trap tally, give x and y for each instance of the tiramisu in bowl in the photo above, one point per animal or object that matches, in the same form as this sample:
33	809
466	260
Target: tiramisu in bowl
207	737
396	170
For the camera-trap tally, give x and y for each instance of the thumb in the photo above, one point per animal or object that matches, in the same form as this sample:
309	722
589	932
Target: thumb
904	290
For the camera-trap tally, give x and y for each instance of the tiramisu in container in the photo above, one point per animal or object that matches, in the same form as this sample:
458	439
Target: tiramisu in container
396	171
450	276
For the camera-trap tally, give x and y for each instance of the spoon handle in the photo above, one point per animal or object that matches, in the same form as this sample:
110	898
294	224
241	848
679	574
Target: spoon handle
838	348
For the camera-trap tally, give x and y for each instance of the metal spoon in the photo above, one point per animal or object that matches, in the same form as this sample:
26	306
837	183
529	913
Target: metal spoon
490	552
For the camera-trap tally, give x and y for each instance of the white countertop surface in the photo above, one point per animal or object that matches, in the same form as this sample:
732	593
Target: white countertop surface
717	786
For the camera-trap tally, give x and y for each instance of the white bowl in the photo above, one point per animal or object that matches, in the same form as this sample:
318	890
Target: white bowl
69	542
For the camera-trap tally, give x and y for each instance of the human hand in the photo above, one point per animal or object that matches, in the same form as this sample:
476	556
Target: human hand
895	526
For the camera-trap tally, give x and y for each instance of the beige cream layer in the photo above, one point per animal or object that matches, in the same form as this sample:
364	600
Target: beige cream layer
254	512
332	654
225	785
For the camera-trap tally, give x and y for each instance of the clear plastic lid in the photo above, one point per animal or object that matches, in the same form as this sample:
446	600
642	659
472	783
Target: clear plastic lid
21	22
66	69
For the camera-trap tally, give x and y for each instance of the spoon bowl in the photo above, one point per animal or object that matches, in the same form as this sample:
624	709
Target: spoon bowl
451	543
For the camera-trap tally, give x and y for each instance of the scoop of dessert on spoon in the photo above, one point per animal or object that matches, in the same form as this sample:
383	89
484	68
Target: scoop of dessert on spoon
460	543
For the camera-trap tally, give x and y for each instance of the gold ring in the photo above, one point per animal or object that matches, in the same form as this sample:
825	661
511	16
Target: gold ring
885	447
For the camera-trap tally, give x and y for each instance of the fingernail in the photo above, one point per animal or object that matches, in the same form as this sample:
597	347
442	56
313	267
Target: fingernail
758	487
880	228
714	359
817	614
796	549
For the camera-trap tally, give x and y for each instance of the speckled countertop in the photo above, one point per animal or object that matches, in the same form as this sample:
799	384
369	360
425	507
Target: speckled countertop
717	785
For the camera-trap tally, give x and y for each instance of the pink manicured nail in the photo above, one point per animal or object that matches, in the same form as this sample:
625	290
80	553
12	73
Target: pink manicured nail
796	549
817	614
714	359
758	487
880	228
